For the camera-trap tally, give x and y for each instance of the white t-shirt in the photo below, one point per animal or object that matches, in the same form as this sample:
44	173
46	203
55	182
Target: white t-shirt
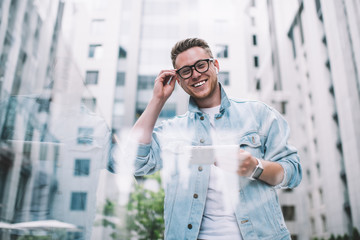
219	221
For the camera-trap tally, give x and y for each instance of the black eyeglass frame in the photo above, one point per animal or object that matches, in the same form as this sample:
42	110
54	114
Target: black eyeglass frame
194	67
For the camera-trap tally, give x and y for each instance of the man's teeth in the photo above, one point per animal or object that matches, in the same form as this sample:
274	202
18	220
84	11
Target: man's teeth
199	84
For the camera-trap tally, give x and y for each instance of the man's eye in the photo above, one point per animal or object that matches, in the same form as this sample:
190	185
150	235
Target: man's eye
200	65
185	71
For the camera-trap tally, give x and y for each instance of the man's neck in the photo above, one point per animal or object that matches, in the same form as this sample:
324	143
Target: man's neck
211	101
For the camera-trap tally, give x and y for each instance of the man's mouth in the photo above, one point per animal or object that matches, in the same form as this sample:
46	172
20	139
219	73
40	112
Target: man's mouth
199	84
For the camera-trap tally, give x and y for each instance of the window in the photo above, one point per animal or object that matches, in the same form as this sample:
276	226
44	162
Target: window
43	152
221	51
91	77
89	103
294	237
97	27
321	195
258	84
44	104
283	106
122	52
288	212
310	200
120	79
224	78
82	167
324	223
85	135
78	201
119	108
95	51
146	81
256	61
313	227
254	40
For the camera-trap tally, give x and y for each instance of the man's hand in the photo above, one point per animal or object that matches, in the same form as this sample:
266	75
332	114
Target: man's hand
162	91
164	85
247	163
273	173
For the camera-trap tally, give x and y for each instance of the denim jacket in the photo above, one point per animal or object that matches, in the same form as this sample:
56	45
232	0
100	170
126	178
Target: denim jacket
256	128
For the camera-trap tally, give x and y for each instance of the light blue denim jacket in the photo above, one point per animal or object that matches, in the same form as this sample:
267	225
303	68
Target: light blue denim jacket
254	126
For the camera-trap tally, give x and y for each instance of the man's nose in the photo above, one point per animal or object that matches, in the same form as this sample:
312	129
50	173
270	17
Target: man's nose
195	74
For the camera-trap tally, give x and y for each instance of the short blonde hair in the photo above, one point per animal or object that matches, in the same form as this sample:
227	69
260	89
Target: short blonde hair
186	44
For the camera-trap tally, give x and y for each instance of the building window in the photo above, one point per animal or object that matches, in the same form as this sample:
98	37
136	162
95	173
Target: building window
122	52
91	77
256	61
294	237
313	227
224	78
97	27
120	79
89	103
85	135
318	169
146	81
44	104
78	201
254	40
324	223
221	51
283	107
288	212
82	167
95	51
119	108
258	84
321	195
310	200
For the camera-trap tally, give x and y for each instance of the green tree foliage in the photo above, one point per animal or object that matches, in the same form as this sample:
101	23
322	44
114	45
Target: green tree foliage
145	219
109	208
355	234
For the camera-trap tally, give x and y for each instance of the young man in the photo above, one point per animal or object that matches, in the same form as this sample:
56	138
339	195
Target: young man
202	200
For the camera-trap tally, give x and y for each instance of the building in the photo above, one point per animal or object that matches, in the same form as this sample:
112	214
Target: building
28	150
309	72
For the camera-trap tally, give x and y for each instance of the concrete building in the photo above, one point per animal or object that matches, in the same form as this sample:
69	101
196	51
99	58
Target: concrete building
309	72
28	150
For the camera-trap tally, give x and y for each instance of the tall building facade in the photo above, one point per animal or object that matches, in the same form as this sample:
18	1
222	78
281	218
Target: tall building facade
308	70
28	149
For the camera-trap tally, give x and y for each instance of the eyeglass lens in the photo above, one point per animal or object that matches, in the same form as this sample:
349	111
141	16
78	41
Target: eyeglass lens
201	67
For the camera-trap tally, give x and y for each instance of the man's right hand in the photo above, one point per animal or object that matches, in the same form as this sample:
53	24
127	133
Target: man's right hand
162	87
162	91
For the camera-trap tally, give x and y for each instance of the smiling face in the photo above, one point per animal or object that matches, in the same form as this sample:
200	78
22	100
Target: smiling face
203	87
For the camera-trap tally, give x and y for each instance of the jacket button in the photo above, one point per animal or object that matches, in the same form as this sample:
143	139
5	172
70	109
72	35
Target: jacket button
195	195
200	168
202	140
253	139
202	118
189	226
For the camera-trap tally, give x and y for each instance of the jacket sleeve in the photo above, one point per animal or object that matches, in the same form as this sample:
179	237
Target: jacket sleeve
278	150
148	156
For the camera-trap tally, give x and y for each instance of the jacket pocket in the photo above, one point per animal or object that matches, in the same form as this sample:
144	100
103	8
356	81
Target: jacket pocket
251	143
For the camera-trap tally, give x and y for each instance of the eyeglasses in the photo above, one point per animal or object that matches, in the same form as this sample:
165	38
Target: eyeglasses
200	66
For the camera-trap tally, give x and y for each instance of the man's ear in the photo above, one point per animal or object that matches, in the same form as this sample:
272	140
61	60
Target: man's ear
217	66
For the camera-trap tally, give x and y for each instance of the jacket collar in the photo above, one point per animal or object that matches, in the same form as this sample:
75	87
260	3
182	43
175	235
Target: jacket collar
225	103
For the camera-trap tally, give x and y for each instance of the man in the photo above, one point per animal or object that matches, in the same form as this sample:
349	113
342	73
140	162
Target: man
202	199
